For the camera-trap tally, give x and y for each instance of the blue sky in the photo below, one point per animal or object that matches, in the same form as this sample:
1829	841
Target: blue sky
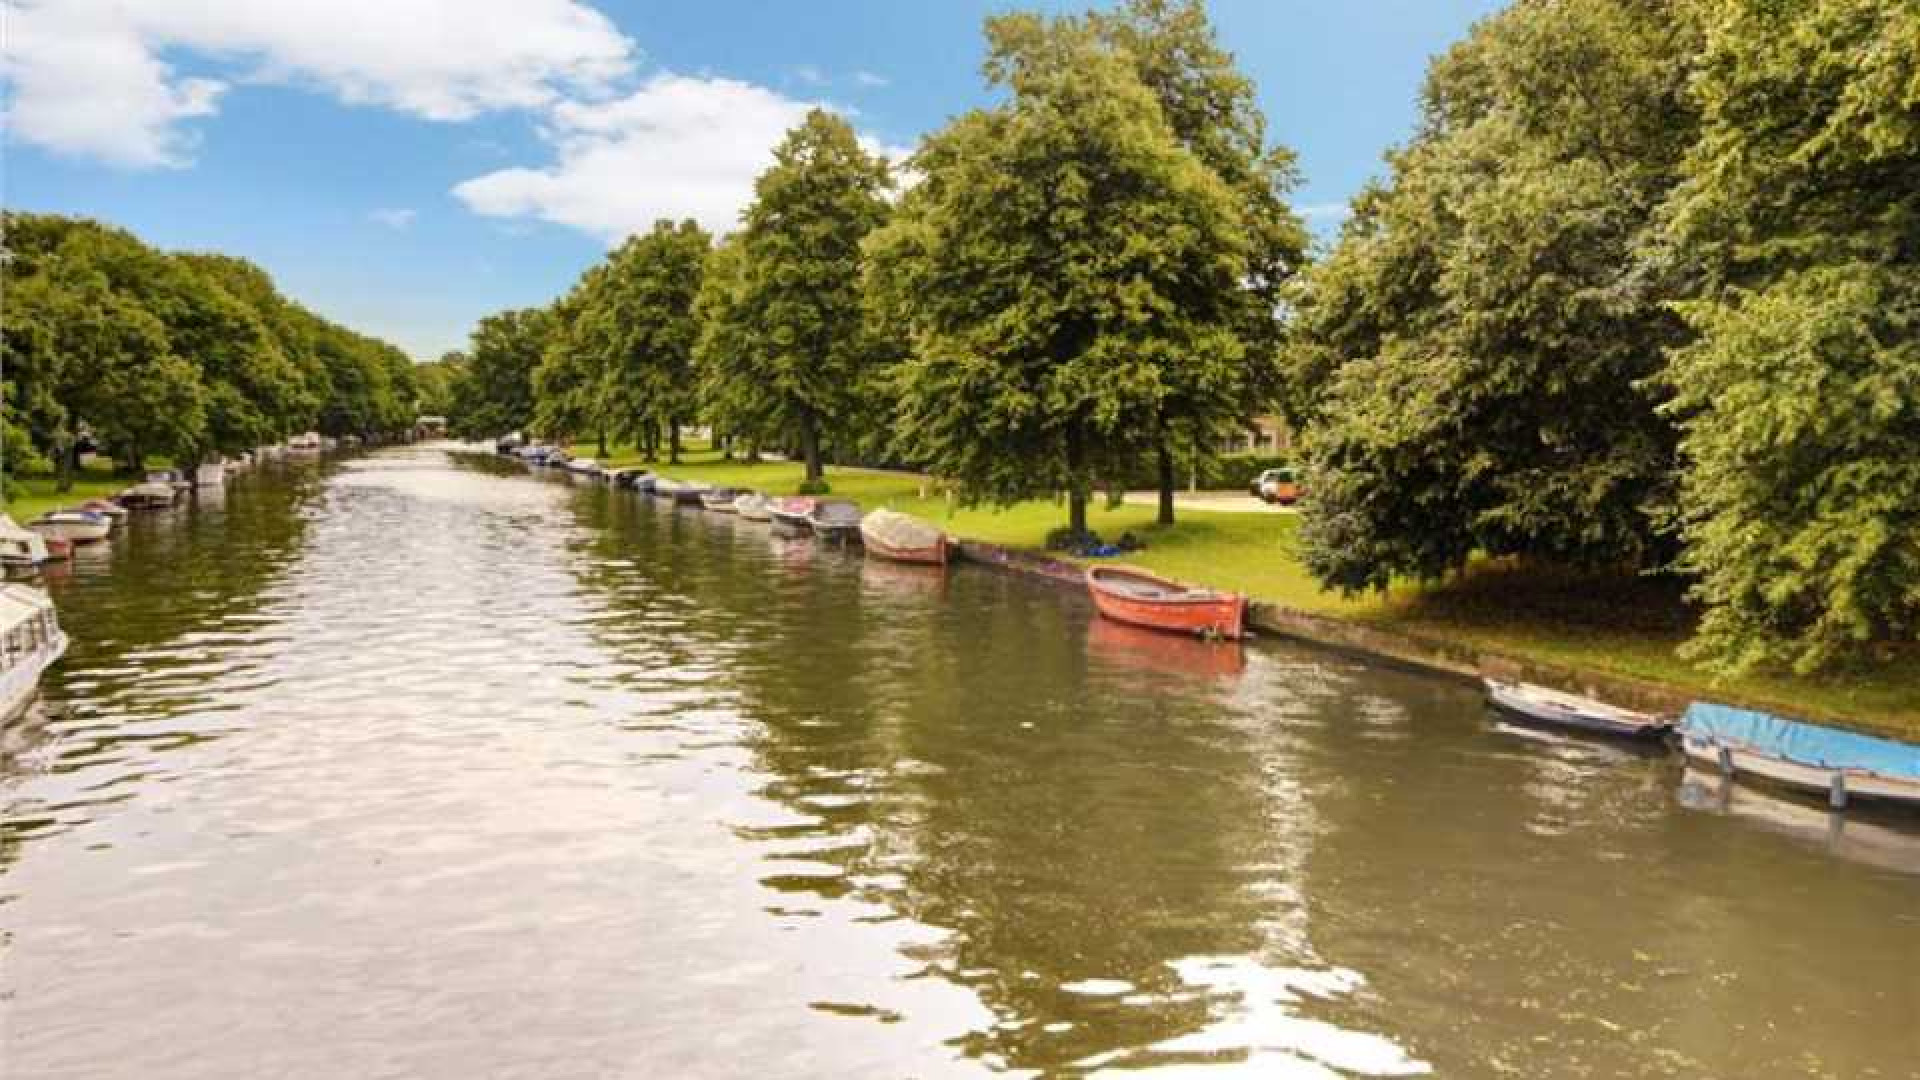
408	166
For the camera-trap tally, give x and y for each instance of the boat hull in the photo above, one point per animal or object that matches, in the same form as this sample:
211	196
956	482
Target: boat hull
1743	763
1517	705
79	532
932	555
1216	615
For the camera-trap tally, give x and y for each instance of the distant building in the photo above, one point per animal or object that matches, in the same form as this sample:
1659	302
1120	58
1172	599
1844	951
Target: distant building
1267	436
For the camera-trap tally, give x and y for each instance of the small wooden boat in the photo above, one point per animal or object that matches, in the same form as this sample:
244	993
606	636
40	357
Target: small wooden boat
174	477
719	500
30	641
79	526
835	519
1542	705
792	511
754	507
1842	765
21	548
689	494
888	534
113	510
628	477
149	496
1130	595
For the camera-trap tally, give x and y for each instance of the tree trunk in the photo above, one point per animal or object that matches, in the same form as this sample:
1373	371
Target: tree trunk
1076	486
1167	482
673	442
603	444
726	447
753	451
66	462
810	446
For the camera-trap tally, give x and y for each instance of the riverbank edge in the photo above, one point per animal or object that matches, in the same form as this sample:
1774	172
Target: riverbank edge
1429	655
1433	654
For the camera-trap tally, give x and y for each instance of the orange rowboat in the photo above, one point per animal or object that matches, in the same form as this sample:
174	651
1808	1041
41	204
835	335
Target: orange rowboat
1127	595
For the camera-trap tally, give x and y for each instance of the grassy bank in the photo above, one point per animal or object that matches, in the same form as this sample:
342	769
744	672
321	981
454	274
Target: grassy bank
37	494
1620	626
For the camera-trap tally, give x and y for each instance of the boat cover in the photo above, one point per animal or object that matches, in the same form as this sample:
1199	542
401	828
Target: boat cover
1801	742
900	531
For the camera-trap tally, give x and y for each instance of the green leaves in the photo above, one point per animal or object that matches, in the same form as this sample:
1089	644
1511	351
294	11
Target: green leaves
1064	273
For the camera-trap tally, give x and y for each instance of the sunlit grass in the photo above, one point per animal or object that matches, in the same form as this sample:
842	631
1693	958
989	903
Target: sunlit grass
36	494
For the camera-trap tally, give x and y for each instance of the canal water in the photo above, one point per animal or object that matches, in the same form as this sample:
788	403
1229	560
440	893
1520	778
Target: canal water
419	765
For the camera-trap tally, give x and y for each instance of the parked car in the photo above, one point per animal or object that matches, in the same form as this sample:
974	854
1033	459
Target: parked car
1278	486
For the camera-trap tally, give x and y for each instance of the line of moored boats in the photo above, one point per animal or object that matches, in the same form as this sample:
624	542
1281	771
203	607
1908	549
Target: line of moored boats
31	638
1737	743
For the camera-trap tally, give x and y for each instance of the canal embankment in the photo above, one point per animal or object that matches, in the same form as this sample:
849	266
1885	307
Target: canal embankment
1617	638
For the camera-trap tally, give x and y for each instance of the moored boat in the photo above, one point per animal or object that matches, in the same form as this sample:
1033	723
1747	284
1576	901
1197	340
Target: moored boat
113	510
20	547
888	534
688	494
1750	745
30	641
1543	705
792	511
79	526
719	500
149	496
1130	595
211	474
754	507
835	519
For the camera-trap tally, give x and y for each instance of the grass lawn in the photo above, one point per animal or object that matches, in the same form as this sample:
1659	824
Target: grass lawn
1628	627
37	495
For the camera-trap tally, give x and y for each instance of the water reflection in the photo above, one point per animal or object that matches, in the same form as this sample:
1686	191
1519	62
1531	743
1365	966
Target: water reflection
419	768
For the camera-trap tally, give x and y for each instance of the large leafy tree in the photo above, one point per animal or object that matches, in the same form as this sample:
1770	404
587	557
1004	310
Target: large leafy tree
1061	270
1211	107
1474	359
800	278
567	381
495	394
641	321
1800	400
725	352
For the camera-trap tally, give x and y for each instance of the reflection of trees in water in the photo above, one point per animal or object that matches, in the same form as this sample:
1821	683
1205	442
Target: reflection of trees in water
950	755
145	611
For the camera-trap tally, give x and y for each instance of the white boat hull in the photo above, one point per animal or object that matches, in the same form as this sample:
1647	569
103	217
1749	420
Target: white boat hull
1742	763
80	532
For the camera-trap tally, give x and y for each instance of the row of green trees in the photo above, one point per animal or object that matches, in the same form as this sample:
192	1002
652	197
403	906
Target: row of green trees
1639	294
182	355
1076	283
1642	293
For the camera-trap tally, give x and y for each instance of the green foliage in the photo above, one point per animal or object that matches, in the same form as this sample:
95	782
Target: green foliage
495	394
1063	271
190	356
1800	400
640	320
1472	360
803	367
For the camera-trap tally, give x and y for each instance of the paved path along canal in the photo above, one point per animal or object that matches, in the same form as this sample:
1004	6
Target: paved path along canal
422	766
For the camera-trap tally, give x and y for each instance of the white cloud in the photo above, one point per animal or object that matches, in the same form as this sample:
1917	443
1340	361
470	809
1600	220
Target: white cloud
393	217
678	147
868	78
810	75
87	79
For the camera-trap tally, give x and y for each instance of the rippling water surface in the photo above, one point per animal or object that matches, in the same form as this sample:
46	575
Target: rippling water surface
421	766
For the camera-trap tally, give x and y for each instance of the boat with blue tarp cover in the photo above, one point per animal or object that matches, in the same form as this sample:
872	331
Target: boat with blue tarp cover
1749	744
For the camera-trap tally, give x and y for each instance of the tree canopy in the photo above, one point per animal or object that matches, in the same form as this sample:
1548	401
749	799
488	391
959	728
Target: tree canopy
1063	268
188	355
